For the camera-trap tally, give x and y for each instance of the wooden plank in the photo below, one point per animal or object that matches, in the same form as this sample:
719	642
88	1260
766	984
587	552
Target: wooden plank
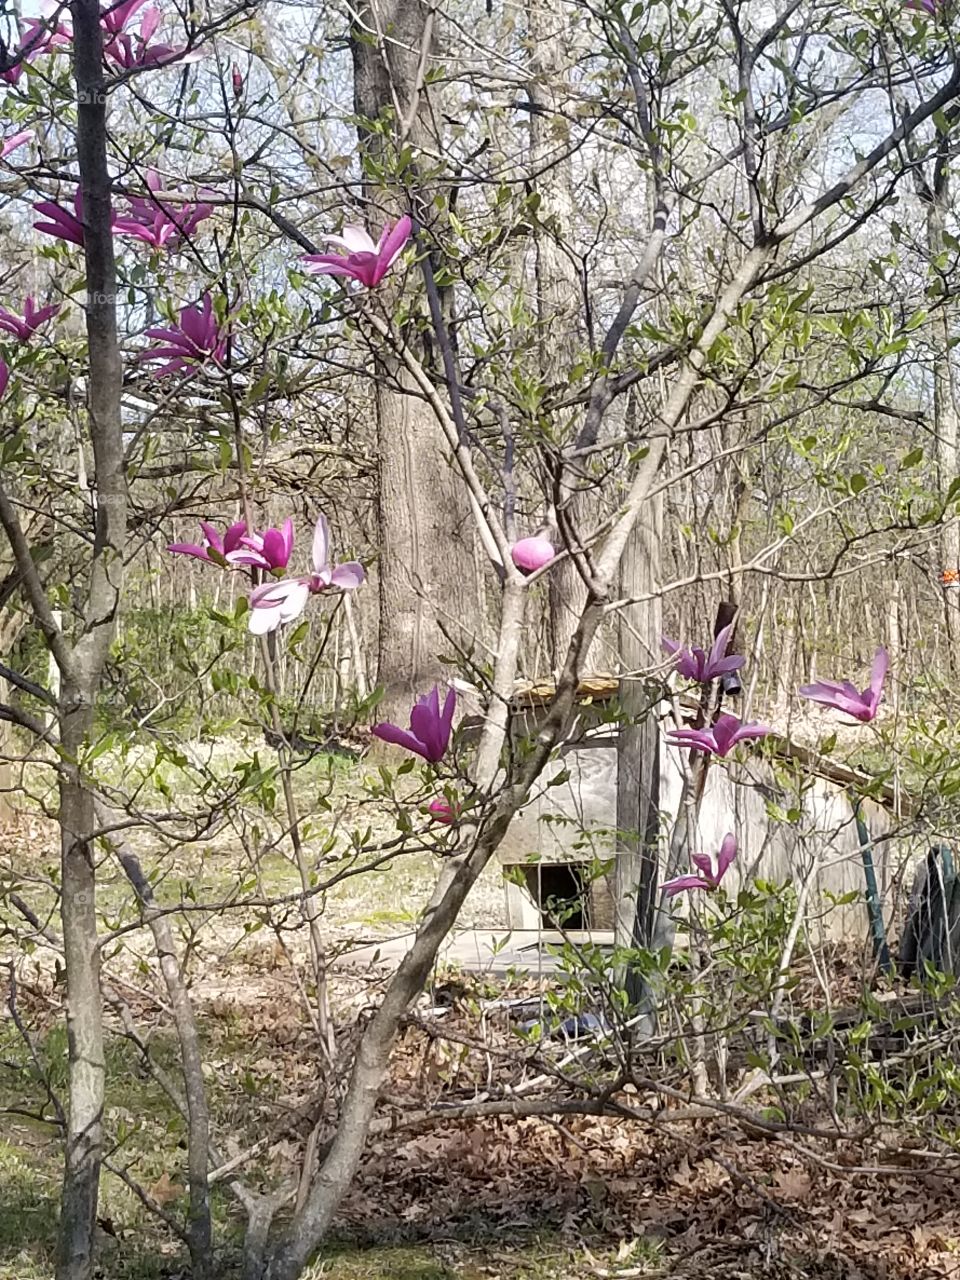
603	688
638	742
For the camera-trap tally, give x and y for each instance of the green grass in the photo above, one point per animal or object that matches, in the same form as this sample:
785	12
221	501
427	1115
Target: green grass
398	1262
28	1209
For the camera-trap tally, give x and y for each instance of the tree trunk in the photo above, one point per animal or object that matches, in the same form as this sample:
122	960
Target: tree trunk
638	743
81	667
945	404
425	566
557	279
81	1179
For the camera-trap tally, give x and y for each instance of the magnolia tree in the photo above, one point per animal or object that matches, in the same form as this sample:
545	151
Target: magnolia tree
618	265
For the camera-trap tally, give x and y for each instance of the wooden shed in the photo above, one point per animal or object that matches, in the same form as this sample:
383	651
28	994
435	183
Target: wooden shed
790	809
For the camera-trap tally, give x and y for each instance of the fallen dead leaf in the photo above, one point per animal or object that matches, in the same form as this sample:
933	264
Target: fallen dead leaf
163	1190
793	1184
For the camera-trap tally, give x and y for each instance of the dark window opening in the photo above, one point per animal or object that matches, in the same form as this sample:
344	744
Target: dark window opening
560	891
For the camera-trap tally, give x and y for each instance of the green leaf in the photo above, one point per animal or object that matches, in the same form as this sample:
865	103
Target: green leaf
911	459
298	634
858	483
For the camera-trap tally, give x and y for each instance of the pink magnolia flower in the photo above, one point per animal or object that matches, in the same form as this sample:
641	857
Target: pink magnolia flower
694	664
213	549
236	79
115	17
362	259
720	739
15	140
429	732
443	811
191	343
23	327
276	603
530	554
842	696
931	7
38	38
708	878
269	551
4	376
158	224
62	224
126	51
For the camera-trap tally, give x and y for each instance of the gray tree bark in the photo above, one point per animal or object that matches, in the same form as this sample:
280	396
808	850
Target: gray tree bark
425	569
81	668
638	743
945	409
558	285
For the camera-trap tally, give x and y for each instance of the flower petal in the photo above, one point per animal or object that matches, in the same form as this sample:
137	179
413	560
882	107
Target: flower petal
320	553
728	851
262	621
399	737
329	264
348	576
699	739
288	598
703	862
446	716
391	245
670	888
231	538
275	549
878	673
354	239
425	723
188	549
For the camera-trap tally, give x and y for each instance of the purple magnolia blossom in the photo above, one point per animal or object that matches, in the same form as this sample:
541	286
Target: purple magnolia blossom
114	18
429	732
126	51
158	224
197	339
842	696
61	223
694	664
23	327
720	738
708	878
37	39
213	549
15	140
4	376
276	603
269	551
362	259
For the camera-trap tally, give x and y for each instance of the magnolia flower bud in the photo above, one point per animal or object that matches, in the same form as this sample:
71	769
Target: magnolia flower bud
530	554
441	811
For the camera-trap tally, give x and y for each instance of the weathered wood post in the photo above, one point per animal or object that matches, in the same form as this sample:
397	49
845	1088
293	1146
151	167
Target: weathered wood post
638	741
